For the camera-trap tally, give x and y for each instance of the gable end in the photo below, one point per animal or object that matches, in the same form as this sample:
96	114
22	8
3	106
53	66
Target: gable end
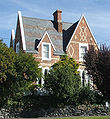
77	28
49	40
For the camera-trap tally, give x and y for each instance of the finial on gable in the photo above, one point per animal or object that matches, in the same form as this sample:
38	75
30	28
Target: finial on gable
19	13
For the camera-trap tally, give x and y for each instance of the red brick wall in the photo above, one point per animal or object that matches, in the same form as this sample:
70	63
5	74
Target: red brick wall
82	35
38	56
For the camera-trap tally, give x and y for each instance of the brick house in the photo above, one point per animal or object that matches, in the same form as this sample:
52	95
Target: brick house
47	40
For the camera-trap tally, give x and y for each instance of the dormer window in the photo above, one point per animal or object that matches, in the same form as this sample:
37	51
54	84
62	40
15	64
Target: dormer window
46	51
17	47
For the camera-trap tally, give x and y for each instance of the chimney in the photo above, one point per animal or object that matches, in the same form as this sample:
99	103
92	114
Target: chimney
58	20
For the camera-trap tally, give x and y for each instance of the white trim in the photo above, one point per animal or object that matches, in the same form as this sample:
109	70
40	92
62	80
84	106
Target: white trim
43	58
22	30
51	58
90	30
13	34
73	33
82	44
77	28
49	39
80	73
43	71
86	80
40	67
13	37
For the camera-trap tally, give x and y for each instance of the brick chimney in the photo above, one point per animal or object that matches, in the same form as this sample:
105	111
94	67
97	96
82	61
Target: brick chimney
58	20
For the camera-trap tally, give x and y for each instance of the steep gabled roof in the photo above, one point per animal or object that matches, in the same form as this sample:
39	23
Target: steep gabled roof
76	27
49	40
35	28
67	34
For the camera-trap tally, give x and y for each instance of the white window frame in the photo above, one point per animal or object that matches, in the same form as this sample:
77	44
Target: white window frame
80	45
17	47
43	58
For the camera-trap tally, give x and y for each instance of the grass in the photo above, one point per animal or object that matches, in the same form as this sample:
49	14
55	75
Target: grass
98	117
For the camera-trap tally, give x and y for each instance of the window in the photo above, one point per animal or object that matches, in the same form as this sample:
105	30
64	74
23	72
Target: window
45	72
17	47
82	51
46	51
85	78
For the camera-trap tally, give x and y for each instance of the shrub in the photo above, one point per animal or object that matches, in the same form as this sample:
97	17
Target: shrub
62	84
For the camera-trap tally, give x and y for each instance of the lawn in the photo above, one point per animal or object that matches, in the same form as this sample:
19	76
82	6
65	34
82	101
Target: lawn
87	118
102	117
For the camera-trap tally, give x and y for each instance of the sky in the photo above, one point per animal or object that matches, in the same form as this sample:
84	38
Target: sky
97	13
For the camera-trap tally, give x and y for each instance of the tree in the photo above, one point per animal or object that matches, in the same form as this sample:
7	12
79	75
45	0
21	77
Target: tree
17	73
7	71
63	81
86	95
65	60
27	75
98	66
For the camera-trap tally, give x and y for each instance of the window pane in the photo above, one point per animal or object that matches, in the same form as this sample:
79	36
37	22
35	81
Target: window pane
83	50
82	55
46	54
46	48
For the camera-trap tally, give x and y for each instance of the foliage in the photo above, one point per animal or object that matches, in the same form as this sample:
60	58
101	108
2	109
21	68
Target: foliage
98	65
65	60
62	82
18	73
27	74
27	67
7	59
87	96
7	71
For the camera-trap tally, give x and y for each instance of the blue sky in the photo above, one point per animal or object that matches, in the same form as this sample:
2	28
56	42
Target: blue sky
97	13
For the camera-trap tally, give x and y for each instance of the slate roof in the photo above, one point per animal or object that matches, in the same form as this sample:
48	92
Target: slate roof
35	28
